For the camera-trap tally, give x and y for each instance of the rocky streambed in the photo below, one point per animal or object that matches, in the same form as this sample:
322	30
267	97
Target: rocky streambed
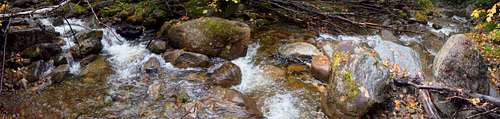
217	68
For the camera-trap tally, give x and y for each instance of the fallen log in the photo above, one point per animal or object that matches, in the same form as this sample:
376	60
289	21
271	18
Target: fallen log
34	12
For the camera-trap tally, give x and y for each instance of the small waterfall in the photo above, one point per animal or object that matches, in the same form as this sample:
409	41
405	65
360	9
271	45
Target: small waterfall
66	31
253	77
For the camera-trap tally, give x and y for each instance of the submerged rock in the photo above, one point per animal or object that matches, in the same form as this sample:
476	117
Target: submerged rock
459	65
183	59
298	49
356	83
211	36
321	67
97	70
158	46
61	73
87	43
225	74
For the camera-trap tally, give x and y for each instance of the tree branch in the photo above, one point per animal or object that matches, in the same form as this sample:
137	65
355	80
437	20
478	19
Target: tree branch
38	11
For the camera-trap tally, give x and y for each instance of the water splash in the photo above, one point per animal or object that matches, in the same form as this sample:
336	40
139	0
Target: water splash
67	32
281	106
253	77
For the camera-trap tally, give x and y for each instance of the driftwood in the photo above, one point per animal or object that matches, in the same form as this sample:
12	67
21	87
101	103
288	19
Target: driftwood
424	91
37	11
305	13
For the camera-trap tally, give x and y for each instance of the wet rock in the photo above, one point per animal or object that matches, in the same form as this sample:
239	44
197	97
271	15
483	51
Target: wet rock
407	59
152	66
24	34
87	43
60	60
320	66
297	68
211	36
388	36
274	72
57	21
36	70
158	46
225	74
356	83
88	59
245	106
41	51
183	59
436	26
96	71
459	65
154	90
129	32
298	49
61	73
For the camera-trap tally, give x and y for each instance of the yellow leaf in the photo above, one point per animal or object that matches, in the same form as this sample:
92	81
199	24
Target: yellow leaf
475	101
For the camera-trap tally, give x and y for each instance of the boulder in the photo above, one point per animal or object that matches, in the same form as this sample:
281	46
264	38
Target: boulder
183	59
215	37
61	73
97	70
298	49
225	74
356	83
41	51
87	43
158	46
321	67
459	64
24	34
152	66
406	58
129	32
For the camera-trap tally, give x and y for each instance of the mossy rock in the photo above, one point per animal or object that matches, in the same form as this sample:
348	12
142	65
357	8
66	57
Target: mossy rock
356	83
211	36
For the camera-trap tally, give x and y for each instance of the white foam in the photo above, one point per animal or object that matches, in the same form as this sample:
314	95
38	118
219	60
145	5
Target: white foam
253	77
281	106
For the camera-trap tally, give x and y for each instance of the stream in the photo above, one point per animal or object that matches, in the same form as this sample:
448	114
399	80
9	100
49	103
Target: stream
137	89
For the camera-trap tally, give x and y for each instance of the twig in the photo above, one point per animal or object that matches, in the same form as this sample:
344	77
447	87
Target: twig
3	53
99	21
482	113
70	28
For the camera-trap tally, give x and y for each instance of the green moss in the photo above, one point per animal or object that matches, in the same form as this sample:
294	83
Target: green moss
75	8
114	9
425	4
427	7
218	28
196	8
350	86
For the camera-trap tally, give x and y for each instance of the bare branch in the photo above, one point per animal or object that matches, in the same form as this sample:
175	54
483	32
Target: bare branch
38	11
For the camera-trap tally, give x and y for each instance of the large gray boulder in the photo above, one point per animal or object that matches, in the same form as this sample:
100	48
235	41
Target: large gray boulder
356	82
87	43
211	36
459	64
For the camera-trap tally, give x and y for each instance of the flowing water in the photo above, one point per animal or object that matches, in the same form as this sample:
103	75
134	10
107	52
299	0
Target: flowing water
132	91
